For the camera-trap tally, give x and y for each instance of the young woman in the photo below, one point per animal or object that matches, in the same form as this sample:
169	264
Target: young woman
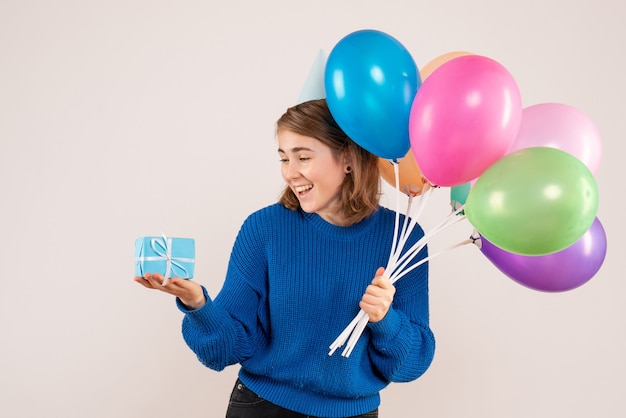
299	272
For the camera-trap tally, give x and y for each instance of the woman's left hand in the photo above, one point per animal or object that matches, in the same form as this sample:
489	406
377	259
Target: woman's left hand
378	297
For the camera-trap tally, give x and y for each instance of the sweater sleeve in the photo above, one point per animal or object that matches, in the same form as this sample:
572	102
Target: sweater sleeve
230	328
403	345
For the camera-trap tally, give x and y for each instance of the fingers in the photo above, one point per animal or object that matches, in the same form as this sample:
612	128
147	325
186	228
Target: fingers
149	280
378	297
153	281
376	310
142	282
188	291
145	281
382	282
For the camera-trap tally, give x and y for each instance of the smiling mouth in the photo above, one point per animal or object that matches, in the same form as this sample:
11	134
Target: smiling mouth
302	190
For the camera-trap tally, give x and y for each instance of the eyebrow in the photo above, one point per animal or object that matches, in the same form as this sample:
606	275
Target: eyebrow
296	149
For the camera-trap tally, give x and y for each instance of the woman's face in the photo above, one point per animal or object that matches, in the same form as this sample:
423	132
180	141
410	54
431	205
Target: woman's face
314	174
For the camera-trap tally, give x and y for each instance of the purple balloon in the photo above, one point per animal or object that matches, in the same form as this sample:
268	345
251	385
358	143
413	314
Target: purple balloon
556	272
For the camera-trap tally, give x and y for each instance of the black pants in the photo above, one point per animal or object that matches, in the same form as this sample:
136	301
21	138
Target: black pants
246	404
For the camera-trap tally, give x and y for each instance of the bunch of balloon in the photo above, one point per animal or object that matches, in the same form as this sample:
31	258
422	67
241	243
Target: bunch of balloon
535	209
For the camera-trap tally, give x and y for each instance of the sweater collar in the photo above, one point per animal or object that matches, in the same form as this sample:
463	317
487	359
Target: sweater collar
341	232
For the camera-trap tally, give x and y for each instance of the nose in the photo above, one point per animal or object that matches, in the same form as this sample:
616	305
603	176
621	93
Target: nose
290	171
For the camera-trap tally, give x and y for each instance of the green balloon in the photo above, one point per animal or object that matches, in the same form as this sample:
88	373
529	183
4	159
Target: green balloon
458	196
534	201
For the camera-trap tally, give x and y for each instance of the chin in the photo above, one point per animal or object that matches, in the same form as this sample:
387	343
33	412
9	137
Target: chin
307	208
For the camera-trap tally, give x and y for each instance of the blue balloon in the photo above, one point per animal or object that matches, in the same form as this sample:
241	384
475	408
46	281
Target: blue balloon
370	81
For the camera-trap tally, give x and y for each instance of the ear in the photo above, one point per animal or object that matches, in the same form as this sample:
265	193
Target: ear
347	162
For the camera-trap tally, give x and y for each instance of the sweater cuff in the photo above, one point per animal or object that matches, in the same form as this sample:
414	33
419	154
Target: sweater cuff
207	314
387	328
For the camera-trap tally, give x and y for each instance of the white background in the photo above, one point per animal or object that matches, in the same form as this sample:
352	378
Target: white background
127	118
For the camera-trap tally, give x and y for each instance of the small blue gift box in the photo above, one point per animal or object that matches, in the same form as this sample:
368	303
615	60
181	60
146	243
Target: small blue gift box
172	257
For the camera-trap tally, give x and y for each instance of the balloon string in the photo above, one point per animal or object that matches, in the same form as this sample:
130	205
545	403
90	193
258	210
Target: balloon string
451	219
423	199
397	265
396	171
362	322
343	337
353	331
395	244
398	242
430	257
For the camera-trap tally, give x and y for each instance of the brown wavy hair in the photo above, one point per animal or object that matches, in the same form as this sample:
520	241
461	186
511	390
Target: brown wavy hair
361	188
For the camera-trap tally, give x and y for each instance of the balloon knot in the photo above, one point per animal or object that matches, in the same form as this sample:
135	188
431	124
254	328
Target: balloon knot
475	238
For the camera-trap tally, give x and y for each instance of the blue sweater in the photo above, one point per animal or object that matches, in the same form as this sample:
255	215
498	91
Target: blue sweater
293	284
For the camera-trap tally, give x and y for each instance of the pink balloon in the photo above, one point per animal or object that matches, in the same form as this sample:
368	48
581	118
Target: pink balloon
464	117
560	126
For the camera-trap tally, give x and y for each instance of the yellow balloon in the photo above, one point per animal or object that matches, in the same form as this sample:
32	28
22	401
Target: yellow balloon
411	180
435	63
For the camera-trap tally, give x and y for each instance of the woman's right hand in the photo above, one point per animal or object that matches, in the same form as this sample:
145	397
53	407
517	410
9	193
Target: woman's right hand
188	291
